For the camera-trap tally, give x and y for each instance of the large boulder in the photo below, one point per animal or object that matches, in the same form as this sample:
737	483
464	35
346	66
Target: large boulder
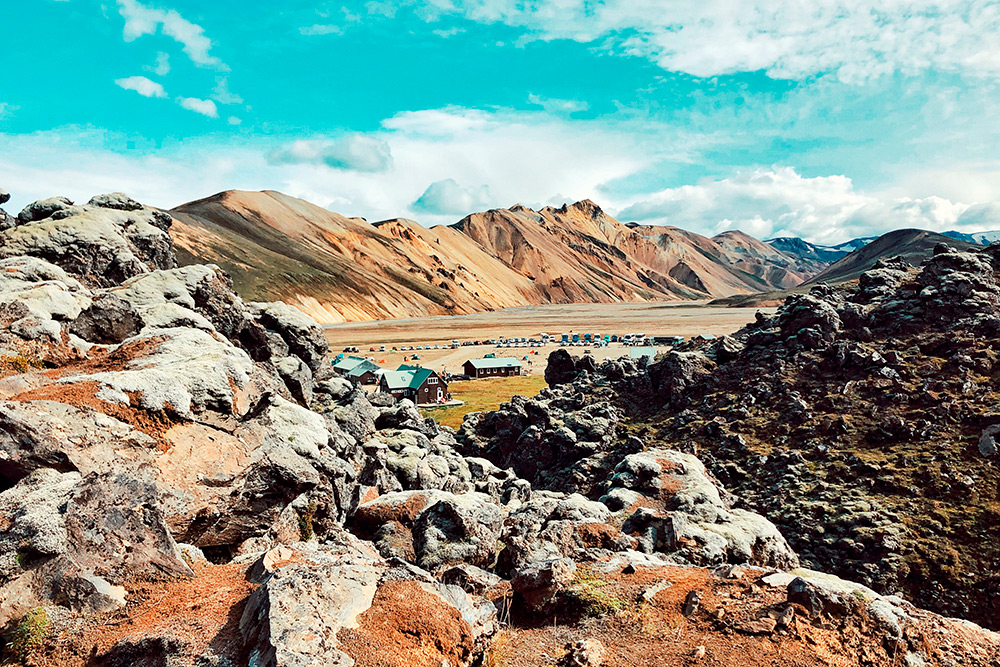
561	368
330	604
107	320
49	434
433	529
674	376
278	463
675	508
552	525
100	246
458	529
304	338
72	539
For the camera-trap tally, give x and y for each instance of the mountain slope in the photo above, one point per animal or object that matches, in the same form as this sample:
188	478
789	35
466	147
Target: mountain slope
979	238
912	245
344	269
805	250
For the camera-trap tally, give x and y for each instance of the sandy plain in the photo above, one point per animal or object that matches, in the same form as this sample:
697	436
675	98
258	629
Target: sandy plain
659	319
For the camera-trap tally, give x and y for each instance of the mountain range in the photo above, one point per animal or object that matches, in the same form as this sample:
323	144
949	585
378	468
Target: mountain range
338	268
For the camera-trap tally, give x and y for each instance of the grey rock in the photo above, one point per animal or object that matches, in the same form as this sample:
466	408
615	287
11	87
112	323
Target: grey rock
48	434
43	209
115	200
311	593
297	377
539	584
584	653
695	522
102	247
987	441
303	336
458	529
561	368
108	320
470	578
66	528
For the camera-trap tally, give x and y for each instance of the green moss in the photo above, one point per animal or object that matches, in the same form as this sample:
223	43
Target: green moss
586	590
29	633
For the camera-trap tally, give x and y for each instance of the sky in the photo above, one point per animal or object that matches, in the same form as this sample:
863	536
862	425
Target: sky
826	120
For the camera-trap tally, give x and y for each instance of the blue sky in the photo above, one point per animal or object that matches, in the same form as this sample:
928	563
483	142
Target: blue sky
829	121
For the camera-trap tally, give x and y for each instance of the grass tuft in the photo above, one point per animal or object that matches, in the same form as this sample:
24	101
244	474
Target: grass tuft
29	633
586	590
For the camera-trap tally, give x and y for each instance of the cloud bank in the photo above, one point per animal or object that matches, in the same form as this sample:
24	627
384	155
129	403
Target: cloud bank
356	152
448	197
855	40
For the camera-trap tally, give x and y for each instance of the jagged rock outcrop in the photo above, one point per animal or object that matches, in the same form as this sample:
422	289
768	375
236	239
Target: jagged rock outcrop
73	540
849	419
325	604
101	246
160	438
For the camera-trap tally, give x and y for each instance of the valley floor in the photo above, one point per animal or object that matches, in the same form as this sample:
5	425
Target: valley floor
688	319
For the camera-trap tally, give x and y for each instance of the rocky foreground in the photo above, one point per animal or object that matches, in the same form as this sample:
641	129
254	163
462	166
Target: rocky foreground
183	482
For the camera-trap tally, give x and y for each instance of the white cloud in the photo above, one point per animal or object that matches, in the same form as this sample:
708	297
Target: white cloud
555	105
386	9
780	202
321	29
162	65
142	85
856	40
475	159
446	33
448	197
142	20
222	94
355	152
234	120
6	110
204	107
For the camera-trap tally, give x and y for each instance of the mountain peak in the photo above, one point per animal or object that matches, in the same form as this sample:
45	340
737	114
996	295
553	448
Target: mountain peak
585	206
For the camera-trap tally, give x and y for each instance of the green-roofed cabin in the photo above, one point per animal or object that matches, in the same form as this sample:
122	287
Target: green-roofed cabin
357	369
492	367
421	385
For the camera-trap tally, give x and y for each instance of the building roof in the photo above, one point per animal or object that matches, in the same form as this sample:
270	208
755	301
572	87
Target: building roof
360	369
499	362
405	377
348	363
639	352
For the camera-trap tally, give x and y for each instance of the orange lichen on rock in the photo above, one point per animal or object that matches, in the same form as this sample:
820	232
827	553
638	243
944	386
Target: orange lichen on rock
408	626
198	613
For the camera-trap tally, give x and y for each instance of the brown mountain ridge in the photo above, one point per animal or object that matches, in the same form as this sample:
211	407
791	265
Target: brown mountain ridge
339	269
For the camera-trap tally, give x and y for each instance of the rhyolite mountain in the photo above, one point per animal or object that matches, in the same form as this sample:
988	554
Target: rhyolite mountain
338	268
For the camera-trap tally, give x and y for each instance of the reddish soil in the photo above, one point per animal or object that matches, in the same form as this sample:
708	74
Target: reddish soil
727	625
202	613
407	626
84	394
